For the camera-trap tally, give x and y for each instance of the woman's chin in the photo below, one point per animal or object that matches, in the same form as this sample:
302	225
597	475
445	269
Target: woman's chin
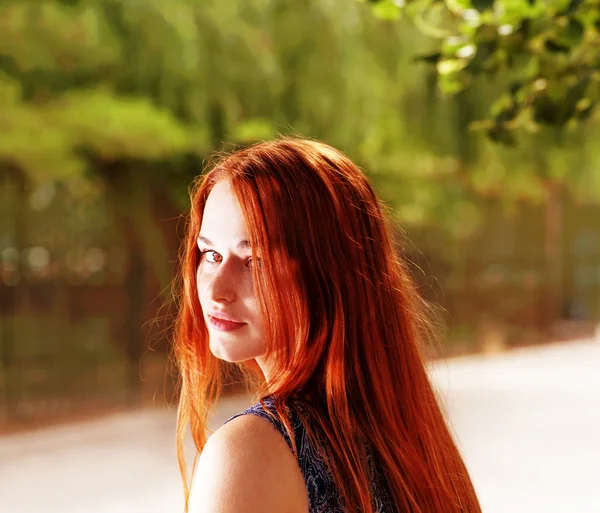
231	352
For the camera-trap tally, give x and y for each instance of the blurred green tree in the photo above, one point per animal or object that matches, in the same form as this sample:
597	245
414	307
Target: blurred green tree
544	56
136	94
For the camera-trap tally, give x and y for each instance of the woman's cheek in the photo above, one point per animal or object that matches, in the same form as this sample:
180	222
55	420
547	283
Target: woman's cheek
201	281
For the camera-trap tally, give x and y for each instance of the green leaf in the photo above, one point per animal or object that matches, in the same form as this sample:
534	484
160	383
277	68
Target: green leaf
453	84
572	34
547	112
501	135
482	5
504	109
556	47
515	87
450	66
573	6
432	58
458	6
583	113
387	10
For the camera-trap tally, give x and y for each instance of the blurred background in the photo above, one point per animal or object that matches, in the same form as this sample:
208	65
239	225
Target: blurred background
475	121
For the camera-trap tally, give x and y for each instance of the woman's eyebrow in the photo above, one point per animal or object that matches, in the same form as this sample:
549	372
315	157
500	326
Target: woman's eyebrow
243	244
204	240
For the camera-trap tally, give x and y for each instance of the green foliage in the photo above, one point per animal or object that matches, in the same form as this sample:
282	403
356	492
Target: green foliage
253	130
388	9
46	139
545	55
150	88
111	127
27	142
47	41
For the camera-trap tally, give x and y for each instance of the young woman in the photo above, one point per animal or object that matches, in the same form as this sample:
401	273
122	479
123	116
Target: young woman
289	271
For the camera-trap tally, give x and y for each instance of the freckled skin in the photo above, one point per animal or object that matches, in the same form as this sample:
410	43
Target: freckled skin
224	279
246	464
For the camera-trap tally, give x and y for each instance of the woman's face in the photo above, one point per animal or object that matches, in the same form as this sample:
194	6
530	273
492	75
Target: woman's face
224	278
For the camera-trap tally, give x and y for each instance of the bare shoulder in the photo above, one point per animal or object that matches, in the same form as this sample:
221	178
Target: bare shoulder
247	466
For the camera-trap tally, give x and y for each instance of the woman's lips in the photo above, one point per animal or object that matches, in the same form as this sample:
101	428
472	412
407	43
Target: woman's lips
224	324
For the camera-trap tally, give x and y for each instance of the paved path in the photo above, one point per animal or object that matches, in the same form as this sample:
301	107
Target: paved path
528	423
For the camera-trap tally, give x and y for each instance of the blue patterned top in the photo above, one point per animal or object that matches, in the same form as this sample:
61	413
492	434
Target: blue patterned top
323	495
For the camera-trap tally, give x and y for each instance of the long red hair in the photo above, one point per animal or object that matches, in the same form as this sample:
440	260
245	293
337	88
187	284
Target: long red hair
343	320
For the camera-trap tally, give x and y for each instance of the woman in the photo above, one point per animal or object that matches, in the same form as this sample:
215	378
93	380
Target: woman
289	270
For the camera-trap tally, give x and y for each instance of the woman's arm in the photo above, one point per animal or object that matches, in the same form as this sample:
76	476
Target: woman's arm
247	466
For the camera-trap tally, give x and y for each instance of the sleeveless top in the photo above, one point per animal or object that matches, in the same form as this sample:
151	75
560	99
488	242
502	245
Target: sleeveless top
323	495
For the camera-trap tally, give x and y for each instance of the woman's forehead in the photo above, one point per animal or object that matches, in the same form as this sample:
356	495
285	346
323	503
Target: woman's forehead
223	220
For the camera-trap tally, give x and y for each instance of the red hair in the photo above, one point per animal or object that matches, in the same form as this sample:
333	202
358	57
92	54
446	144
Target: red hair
344	325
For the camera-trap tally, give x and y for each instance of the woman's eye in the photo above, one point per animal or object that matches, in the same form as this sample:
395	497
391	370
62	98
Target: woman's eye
250	262
211	256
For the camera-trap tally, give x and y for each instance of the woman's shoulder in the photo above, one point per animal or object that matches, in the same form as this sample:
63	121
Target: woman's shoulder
267	410
247	465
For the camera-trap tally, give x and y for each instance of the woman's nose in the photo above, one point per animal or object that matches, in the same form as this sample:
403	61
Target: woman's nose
222	287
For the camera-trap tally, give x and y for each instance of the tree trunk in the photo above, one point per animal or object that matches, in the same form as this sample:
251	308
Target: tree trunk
13	182
554	243
131	195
